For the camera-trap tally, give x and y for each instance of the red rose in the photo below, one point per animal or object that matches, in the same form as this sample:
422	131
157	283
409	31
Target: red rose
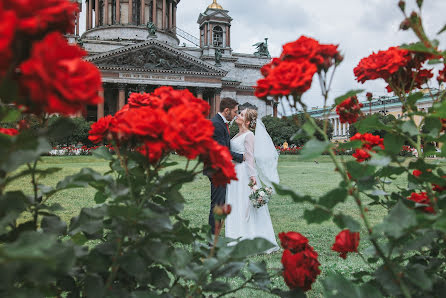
287	78
142	124
172	98
137	100
100	129
7	30
381	65
416	173
9	131
153	150
345	242
349	110
369	141
293	241
369	96
300	270
39	17
442	75
57	80
423	199
440	188
305	48
187	129
218	161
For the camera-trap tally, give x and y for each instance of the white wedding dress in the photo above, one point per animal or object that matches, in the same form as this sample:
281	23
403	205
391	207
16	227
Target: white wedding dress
246	221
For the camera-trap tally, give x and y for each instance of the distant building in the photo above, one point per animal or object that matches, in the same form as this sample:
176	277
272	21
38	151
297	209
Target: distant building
384	105
135	45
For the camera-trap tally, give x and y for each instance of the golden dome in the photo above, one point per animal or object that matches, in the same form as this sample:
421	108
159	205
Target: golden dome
215	5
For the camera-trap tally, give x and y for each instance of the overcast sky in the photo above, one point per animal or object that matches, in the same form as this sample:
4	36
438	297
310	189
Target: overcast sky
358	26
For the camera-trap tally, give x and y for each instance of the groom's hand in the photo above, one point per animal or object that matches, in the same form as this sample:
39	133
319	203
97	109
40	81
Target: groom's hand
253	181
244	157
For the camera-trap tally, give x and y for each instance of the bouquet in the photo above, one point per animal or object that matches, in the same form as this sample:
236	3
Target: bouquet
260	196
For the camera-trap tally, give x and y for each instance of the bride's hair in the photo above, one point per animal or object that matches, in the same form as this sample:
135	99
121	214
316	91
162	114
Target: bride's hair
251	116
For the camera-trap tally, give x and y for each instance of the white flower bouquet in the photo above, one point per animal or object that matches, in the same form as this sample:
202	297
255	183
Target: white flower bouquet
260	196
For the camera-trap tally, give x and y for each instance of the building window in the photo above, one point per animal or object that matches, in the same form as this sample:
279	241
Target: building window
113	11
217	36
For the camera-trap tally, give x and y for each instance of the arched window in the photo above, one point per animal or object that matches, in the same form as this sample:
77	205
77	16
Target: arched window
218	36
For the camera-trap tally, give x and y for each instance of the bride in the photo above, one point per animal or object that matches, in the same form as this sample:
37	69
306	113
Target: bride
246	221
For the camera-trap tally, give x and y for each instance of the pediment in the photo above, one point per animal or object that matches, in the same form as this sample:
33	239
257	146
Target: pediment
154	56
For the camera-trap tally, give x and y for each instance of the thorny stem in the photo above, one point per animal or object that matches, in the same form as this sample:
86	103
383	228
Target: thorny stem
115	265
355	194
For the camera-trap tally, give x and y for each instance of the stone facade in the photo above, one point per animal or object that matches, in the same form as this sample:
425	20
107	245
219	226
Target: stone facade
132	60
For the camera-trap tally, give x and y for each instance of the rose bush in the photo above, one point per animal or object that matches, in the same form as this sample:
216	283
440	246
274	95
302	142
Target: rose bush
402	253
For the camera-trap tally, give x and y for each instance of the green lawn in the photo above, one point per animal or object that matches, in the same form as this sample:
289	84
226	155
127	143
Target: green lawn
307	177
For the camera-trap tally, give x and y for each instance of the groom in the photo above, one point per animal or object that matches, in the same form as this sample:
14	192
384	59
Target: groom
228	110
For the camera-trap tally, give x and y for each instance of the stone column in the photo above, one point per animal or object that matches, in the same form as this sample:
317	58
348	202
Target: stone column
121	96
226	44
211	37
205	34
200	92
96	13
217	100
106	13
90	14
143	12
154	11
170	14
130	11
77	24
229	37
175	15
118	12
87	17
163	26
101	106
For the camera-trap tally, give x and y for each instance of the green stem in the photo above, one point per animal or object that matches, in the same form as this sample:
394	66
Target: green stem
115	266
35	191
355	194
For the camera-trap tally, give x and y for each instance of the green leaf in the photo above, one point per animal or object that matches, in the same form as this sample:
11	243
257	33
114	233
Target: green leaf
350	93
350	145
333	197
370	123
216	286
398	221
250	247
346	222
229	269
94	286
335	285
12	115
418	47
416	273
298	198
54	225
442	30
9	90
308	128
316	215
387	281
103	152
393	143
410	128
359	170
414	97
313	148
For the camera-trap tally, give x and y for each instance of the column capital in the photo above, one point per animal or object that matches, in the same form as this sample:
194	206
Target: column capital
200	89
217	90
141	88
121	86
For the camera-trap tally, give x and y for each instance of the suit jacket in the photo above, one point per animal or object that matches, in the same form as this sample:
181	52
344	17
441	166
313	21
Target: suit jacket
221	135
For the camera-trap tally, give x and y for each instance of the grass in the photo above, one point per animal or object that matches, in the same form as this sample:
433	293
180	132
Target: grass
307	177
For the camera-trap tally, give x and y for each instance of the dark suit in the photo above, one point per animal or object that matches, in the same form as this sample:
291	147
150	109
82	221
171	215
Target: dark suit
218	193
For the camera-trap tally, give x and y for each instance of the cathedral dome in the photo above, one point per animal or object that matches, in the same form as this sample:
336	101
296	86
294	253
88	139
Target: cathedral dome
215	5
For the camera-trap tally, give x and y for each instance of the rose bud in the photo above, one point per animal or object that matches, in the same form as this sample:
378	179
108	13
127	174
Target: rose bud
227	209
405	25
402	5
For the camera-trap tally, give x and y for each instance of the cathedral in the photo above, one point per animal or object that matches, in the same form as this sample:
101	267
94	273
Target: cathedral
136	46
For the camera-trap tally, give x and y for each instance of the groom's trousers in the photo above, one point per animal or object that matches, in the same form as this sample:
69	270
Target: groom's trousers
218	196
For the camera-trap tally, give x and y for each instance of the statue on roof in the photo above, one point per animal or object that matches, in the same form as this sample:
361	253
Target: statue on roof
218	56
262	48
151	27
